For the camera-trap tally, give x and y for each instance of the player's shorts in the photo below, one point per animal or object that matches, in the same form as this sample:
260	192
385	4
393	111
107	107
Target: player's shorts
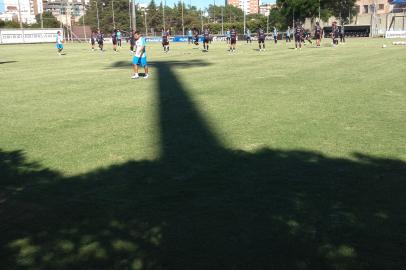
165	42
92	41
233	41
114	41
261	40
298	38
228	38
189	38
317	36
206	40
140	61
59	46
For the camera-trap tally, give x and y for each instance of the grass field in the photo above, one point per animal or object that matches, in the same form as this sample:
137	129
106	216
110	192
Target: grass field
277	160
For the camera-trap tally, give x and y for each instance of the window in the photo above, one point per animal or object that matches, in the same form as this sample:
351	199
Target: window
366	8
381	6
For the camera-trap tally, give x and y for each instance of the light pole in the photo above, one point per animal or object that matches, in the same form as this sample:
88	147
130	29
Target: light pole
83	19
163	14
245	19
97	15
222	21
21	20
146	26
183	22
201	18
319	11
129	14
112	8
134	19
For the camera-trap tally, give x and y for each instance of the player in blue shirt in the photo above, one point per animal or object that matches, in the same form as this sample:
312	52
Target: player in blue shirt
189	36
59	42
140	56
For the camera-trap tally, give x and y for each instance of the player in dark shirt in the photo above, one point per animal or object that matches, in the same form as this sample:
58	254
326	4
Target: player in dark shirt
196	36
206	39
342	33
100	40
165	40
93	38
233	39
114	40
261	39
306	36
318	33
334	33
298	35
132	42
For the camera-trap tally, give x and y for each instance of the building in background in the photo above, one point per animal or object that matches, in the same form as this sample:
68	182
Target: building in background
248	6
9	10
369	6
265	9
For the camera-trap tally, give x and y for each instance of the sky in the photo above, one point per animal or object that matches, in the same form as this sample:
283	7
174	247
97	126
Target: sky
199	3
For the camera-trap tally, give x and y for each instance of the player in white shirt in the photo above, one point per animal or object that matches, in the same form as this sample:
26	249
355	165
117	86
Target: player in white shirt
59	42
140	56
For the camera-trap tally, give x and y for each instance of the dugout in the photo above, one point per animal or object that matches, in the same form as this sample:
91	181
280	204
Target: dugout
351	30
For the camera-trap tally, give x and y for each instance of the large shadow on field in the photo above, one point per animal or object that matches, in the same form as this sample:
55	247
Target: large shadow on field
203	206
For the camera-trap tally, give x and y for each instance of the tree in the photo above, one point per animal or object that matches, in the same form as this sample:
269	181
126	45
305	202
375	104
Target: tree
49	20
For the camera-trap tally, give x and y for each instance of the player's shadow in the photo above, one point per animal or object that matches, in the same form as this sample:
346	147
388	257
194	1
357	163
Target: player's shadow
204	206
7	62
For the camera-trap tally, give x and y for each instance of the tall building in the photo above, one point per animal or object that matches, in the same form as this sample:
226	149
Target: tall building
248	6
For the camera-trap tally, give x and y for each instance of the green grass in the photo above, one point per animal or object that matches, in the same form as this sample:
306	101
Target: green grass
277	160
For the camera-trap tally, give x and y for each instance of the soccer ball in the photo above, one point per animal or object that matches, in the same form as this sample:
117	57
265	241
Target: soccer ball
384	46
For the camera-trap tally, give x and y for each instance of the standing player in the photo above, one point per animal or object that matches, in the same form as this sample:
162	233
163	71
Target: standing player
206	39
140	57
275	35
93	40
288	33
165	40
100	40
189	36
59	42
342	33
118	35
298	35
132	42
228	36
334	33
261	39
318	33
233	39
248	36
114	40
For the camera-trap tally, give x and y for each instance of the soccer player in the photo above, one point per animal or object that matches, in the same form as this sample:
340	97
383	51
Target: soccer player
189	36
228	36
165	40
318	32
93	40
248	36
342	33
196	37
275	35
114	40
132	42
261	39
233	39
298	35
334	33
118	35
140	57
59	42
100	40
306	36
288	33
206	39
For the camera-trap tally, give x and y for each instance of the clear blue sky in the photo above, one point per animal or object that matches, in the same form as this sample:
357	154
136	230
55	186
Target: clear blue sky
199	3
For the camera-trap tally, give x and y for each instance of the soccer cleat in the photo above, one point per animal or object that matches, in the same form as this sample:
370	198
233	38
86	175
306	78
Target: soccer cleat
135	76
146	76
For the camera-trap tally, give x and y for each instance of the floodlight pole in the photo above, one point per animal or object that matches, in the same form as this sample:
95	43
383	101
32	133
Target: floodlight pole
163	14
134	18
245	19
146	26
83	19
112	8
222	21
21	20
319	11
201	18
267	23
97	15
183	22
129	14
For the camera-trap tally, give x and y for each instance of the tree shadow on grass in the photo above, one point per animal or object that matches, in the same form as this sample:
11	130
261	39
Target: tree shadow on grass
203	206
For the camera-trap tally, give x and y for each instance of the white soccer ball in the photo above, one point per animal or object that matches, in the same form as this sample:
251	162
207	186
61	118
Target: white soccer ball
384	46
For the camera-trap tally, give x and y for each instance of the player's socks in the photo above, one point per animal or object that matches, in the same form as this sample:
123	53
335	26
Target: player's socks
135	76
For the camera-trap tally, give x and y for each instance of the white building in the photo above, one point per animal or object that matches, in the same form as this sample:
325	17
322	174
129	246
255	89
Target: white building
11	10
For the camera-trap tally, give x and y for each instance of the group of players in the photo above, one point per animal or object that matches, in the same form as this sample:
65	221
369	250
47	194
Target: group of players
138	42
